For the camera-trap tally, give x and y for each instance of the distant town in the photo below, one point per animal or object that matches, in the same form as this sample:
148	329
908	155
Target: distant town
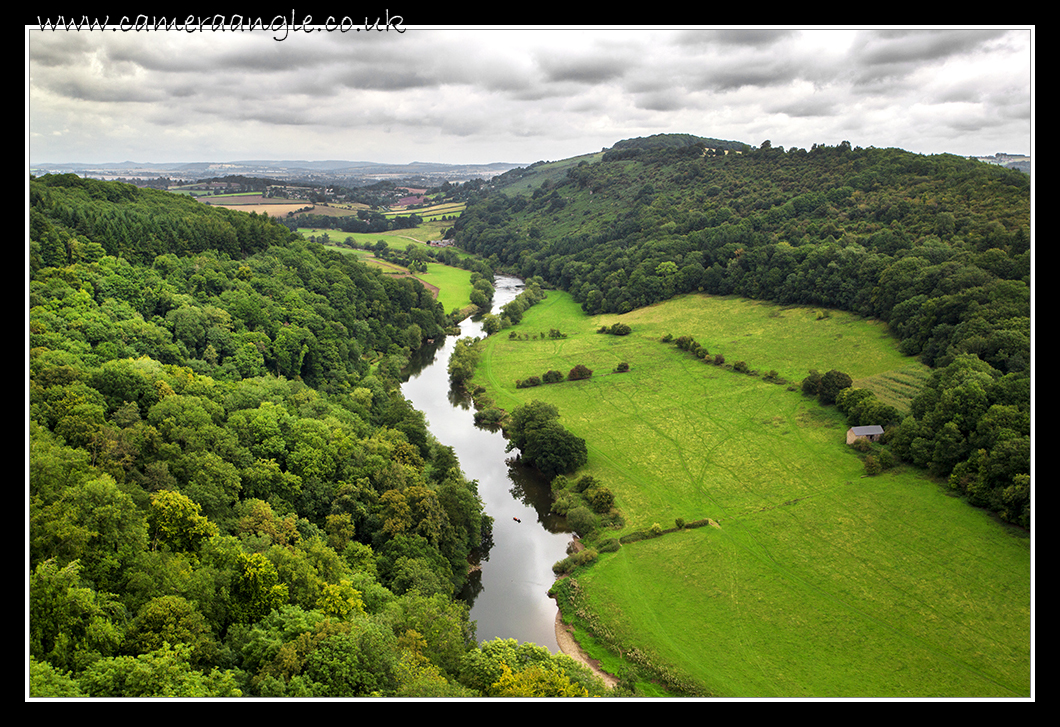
1021	162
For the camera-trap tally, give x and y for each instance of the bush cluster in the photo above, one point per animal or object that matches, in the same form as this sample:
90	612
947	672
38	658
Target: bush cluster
586	502
571	562
554	377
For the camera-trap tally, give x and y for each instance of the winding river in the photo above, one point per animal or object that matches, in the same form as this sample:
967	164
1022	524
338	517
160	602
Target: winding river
509	594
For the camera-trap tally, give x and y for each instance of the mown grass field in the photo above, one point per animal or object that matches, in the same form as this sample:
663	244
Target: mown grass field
454	285
818	581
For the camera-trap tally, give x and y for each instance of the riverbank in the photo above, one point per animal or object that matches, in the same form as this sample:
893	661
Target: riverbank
570	647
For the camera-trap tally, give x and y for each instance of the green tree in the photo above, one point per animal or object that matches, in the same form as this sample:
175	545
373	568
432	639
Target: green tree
97	524
172	620
361	663
544	442
175	522
70	626
165	672
45	681
340	600
831	384
256	590
535	681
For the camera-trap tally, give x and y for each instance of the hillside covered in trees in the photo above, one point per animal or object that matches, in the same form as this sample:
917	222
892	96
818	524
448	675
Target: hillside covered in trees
936	246
228	494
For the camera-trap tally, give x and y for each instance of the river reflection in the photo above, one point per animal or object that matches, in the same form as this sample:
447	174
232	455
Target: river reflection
508	595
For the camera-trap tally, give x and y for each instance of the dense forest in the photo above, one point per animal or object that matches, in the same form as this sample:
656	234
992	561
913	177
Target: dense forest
228	494
936	246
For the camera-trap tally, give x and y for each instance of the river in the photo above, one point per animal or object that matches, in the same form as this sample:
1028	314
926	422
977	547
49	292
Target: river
509	594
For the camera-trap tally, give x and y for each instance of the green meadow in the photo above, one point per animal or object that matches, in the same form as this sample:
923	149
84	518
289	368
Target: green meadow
452	285
814	580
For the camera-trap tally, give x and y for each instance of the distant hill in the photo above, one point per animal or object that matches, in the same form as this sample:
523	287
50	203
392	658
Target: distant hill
347	172
676	141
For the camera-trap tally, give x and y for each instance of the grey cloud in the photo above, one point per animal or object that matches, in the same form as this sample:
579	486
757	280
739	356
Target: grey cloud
587	69
808	107
893	54
751	37
908	46
727	76
668	100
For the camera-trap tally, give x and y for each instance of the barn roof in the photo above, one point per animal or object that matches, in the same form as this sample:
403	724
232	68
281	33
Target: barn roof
867	430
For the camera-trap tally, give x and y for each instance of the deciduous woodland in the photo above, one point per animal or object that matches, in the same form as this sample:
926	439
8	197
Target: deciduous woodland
228	495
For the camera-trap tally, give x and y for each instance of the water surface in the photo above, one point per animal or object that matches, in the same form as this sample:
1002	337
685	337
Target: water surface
509	594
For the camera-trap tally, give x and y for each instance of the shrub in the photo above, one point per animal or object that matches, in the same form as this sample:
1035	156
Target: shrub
582	520
719	360
552	377
600	498
680	523
886	458
812	383
585	482
872	466
573	561
528	383
563	566
609	546
563	503
579	372
622	368
740	366
490	416
656	530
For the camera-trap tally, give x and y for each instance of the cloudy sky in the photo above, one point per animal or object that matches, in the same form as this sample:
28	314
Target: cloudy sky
516	95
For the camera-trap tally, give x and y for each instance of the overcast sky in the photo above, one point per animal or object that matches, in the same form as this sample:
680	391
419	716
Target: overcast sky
518	95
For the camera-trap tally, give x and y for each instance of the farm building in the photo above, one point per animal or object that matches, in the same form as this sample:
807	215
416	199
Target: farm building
871	433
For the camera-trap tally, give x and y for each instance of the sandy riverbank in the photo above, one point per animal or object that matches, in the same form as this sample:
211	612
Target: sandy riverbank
570	647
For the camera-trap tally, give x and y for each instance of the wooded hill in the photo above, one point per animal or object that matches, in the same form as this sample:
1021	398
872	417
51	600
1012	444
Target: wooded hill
228	494
936	246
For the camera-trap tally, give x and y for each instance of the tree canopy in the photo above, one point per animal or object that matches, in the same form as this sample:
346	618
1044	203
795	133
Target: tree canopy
228	494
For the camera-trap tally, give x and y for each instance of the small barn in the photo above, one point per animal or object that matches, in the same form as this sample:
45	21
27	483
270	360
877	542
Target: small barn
871	433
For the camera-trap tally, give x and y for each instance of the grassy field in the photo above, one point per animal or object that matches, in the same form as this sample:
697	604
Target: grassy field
817	581
452	286
430	229
431	212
